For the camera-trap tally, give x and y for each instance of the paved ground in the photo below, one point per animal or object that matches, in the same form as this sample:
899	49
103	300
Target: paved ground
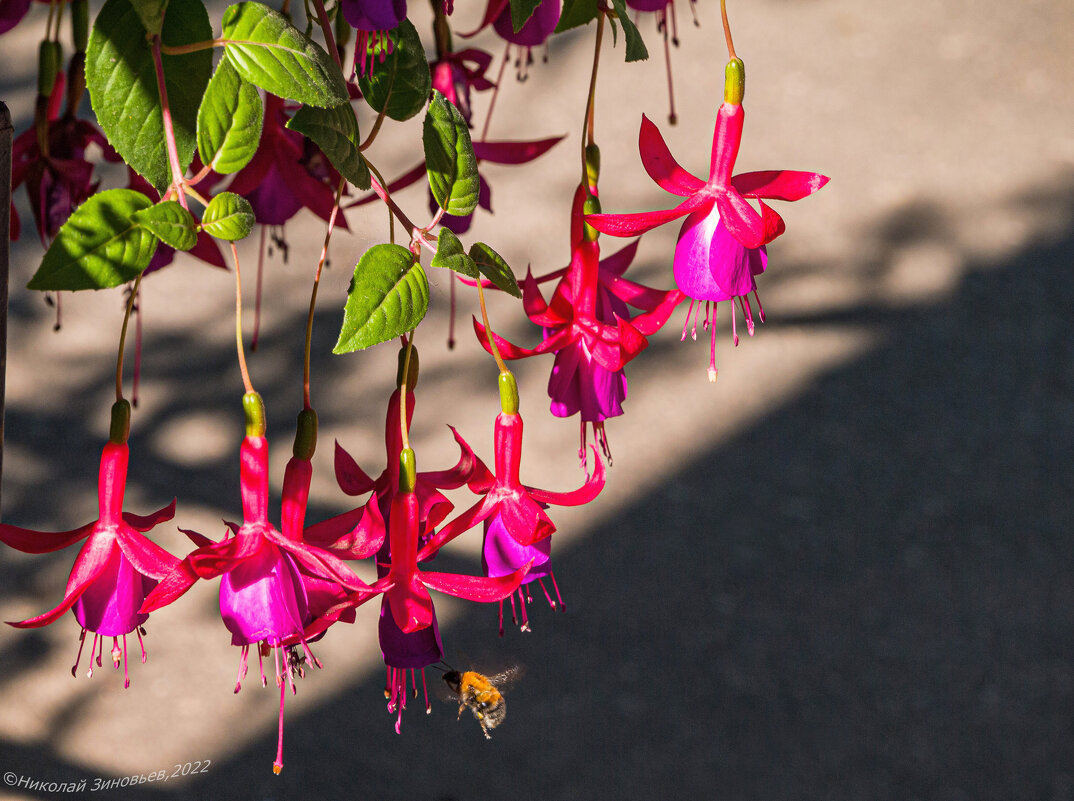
841	573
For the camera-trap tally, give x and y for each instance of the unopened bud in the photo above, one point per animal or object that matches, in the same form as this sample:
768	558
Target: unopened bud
592	163
120	427
412	372
408	470
508	393
80	24
305	435
49	59
591	206
734	82
254	409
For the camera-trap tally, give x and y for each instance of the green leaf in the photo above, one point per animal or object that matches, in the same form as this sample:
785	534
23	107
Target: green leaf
270	52
521	11
576	13
335	131
170	223
400	85
494	268
122	83
151	13
635	47
449	157
99	246
388	296
229	121
228	216
451	256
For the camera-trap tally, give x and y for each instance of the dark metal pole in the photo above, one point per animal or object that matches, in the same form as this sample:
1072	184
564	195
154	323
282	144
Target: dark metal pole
5	253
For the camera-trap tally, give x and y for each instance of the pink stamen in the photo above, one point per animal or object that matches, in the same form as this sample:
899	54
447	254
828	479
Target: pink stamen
708	314
243	655
126	678
387	683
117	654
261	666
602	438
309	655
734	326
760	308
501	626
514	617
425	692
93	647
82	643
277	766
562	606
712	348
551	603
686	322
138	631
747	312
581	448
525	618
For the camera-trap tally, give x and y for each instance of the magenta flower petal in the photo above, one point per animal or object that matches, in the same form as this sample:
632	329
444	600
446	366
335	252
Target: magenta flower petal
11	13
146	522
642	221
778	184
583	495
30	541
146	556
711	264
475	588
109	605
350	477
503	555
263	598
536	29
661	165
512	152
374	15
413	651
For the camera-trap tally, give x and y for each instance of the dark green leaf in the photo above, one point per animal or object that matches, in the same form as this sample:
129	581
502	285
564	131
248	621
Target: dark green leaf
451	256
335	131
123	84
228	216
270	52
521	11
635	47
99	246
388	296
151	13
494	268
170	223
576	13
449	157
399	86
229	121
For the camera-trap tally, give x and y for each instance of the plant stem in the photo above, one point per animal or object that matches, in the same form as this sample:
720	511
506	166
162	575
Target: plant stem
329	37
488	329
238	322
169	130
123	336
313	296
727	30
588	124
495	93
193	47
402	392
375	129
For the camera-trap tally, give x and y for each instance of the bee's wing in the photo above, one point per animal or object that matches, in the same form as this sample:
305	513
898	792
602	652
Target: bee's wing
506	678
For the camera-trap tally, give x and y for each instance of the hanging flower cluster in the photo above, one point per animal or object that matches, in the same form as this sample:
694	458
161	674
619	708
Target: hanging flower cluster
273	128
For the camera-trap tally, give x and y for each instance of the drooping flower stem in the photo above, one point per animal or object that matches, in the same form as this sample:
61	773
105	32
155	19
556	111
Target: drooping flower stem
402	392
123	336
169	130
380	178
326	29
488	330
495	92
727	30
238	322
588	123
313	296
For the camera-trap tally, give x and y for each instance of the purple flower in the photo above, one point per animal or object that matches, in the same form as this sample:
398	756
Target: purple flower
11	13
536	29
374	15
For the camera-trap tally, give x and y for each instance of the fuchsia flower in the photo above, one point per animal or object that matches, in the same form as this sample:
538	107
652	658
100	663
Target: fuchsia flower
114	570
455	74
721	243
533	33
372	19
11	13
263	600
517	529
588	326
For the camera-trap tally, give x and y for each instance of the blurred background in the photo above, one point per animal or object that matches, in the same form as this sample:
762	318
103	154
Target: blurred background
841	572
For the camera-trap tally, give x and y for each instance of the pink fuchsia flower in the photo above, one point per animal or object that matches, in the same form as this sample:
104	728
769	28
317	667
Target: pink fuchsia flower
263	601
517	529
720	247
456	74
536	29
372	19
589	328
115	569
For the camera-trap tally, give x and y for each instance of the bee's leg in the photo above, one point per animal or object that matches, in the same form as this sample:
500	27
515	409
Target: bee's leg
461	707
484	729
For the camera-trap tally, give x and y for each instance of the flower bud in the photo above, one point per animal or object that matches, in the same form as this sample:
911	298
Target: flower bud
592	164
120	427
508	393
80	24
305	435
408	470
254	409
591	206
412	373
49	59
734	82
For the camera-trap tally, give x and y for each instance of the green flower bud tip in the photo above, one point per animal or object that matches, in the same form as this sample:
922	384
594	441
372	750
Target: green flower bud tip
254	409
734	82
120	427
408	470
508	393
592	163
412	373
305	435
80	24
591	206
49	58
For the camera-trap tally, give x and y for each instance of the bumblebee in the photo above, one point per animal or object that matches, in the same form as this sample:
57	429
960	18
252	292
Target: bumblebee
482	695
